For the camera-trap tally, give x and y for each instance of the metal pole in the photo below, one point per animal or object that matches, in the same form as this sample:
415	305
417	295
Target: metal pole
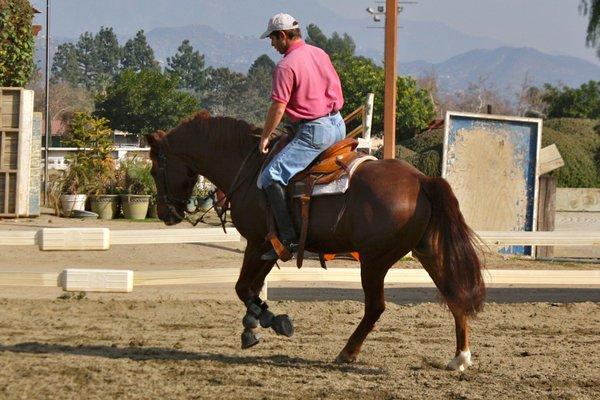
47	105
389	102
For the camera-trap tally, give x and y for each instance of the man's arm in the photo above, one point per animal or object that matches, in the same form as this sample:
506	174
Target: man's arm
274	116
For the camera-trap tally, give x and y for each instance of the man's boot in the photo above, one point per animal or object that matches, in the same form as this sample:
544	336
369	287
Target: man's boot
287	234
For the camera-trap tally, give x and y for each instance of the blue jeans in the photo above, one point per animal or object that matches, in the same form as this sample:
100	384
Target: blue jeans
311	139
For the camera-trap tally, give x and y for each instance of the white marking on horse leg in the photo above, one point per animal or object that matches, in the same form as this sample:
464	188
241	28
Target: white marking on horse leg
461	362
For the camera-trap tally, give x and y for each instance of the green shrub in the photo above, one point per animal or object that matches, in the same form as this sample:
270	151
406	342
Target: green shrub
16	43
578	142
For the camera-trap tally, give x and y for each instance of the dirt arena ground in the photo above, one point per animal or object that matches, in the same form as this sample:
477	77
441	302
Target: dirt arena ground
184	341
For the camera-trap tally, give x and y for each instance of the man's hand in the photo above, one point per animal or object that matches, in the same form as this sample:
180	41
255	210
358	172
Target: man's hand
274	116
263	145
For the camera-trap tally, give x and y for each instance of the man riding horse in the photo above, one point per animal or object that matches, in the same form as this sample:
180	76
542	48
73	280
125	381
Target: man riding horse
307	89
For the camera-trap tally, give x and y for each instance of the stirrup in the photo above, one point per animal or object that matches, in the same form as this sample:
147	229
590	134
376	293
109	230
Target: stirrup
272	255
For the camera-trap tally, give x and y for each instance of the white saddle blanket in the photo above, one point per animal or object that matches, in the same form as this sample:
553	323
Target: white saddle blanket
339	185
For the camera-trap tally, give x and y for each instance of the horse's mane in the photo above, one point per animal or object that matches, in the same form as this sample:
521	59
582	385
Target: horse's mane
218	132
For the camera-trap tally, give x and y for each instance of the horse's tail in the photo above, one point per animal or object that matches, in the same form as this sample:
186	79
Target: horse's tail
454	245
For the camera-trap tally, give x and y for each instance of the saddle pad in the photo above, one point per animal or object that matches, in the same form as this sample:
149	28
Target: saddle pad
339	185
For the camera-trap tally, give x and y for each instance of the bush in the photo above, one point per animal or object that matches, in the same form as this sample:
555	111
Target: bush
92	167
578	141
16	43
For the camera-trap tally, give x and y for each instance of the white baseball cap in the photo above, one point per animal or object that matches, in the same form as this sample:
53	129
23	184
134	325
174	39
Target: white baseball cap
280	22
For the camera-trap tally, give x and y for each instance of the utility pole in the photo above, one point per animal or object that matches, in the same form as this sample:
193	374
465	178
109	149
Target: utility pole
390	57
389	100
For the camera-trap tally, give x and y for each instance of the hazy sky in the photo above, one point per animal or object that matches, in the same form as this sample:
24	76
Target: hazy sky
552	26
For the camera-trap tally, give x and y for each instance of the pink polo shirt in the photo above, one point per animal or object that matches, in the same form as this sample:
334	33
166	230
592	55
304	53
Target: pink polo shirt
306	82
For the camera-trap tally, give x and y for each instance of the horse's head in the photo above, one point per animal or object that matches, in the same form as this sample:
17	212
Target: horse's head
174	178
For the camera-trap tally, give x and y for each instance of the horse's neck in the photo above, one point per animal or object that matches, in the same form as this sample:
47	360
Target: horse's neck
220	166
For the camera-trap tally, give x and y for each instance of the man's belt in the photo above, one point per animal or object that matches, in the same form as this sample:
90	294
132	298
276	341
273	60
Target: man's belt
330	114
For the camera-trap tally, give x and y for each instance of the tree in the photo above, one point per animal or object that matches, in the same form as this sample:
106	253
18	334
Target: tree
88	60
360	75
144	102
137	54
335	46
583	102
65	65
478	95
260	76
592	8
530	102
92	62
65	99
188	66
107	57
16	43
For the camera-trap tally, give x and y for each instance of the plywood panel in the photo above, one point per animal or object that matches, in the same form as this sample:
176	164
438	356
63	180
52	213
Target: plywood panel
491	164
580	199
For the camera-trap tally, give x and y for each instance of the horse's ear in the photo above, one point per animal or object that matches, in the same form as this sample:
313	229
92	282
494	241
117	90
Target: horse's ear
154	138
203	114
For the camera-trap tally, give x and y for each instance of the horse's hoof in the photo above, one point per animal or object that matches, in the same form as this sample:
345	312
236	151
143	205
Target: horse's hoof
461	362
282	325
249	339
345	358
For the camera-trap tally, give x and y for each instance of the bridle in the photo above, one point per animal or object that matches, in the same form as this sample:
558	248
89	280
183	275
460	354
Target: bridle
162	183
169	200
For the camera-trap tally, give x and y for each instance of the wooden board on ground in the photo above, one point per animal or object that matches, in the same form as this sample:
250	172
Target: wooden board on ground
491	162
75	239
124	280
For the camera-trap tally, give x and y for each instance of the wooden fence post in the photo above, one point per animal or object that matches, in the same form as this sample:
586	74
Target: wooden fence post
546	211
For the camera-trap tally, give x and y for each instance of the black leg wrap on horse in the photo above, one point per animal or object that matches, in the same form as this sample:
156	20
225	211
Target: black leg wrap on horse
249	338
250	321
256	306
266	319
258	312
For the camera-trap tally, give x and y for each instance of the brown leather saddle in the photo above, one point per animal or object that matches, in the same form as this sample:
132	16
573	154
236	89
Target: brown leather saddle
330	165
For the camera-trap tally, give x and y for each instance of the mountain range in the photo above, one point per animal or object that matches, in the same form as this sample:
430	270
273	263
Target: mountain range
456	58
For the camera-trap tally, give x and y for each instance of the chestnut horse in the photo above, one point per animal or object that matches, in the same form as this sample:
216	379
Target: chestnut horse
389	209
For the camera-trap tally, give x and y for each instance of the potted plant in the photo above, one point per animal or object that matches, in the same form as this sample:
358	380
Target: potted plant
103	190
137	187
72	187
92	168
104	199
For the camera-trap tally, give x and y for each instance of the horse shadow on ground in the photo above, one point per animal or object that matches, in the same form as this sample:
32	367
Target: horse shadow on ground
157	354
224	248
